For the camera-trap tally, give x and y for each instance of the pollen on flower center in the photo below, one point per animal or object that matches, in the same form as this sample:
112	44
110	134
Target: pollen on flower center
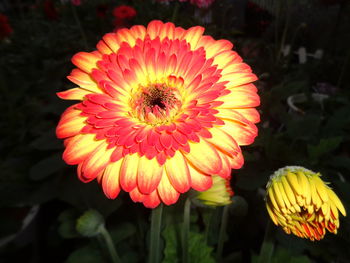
155	104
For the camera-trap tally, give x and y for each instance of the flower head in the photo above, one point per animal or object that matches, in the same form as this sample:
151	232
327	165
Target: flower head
124	12
218	195
298	200
202	3
162	110
5	28
198	3
76	2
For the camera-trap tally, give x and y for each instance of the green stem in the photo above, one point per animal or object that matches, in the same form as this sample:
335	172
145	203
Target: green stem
290	55
186	231
82	32
343	69
285	30
156	223
111	249
175	12
277	22
222	233
267	247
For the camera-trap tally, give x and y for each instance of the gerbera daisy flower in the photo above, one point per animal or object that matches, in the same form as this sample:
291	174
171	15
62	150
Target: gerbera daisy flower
162	110
298	200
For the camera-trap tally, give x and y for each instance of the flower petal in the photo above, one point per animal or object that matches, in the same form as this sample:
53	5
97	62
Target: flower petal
223	141
149	174
84	81
70	124
204	157
167	192
110	179
152	200
177	170
128	172
153	28
86	61
96	161
243	134
136	195
199	181
79	147
241	97
250	114
193	35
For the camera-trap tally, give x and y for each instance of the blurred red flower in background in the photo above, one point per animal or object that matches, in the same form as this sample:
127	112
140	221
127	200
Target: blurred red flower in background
76	2
123	14
202	3
5	27
50	10
199	3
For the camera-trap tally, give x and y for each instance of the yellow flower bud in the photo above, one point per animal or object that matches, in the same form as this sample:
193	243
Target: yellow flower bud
301	203
219	194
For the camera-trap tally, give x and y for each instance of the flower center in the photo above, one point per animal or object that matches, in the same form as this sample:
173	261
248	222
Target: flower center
156	104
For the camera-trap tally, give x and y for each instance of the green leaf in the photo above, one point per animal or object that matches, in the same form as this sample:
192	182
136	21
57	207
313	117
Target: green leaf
341	161
239	206
303	128
323	147
87	254
300	259
284	255
199	251
337	122
47	141
67	227
85	196
123	231
89	223
46	167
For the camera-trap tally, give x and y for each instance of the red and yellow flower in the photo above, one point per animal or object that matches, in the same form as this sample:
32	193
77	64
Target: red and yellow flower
298	200
162	110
